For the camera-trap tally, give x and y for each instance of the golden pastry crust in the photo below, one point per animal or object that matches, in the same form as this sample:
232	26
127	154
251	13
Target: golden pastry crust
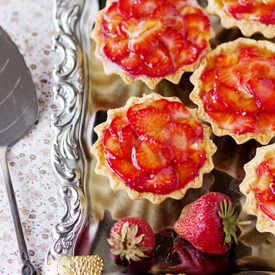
150	81
263	137
117	183
251	206
247	27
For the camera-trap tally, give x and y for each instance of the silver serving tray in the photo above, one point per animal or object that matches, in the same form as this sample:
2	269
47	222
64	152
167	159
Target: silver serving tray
84	93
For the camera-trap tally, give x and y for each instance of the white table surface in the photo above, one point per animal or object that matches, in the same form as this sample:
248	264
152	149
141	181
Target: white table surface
30	25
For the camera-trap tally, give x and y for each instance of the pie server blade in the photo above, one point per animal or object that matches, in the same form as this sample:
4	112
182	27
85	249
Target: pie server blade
18	113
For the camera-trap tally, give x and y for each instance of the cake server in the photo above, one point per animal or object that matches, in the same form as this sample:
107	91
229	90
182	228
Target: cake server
18	112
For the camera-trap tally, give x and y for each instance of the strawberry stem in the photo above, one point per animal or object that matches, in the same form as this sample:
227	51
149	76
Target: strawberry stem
229	220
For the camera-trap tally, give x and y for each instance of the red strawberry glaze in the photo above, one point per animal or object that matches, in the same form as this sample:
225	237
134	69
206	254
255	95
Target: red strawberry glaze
239	90
153	38
265	187
155	146
251	10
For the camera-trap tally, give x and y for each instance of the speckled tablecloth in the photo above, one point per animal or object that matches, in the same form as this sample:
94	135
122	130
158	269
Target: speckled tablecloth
30	25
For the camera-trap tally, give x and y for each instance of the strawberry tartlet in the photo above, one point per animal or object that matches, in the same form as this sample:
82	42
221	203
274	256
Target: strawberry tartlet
259	188
154	148
151	40
250	16
235	90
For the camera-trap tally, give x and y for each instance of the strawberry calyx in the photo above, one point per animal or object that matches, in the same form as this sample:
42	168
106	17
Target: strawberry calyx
229	220
127	243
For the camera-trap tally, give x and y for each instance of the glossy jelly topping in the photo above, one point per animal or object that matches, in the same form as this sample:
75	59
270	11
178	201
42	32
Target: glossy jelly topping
156	146
238	90
153	38
265	187
251	10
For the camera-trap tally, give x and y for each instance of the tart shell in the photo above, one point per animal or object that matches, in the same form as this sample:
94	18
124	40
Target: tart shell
263	138
150	81
263	223
117	183
247	28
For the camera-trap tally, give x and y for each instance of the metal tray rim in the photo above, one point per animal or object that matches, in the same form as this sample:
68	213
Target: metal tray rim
67	159
71	43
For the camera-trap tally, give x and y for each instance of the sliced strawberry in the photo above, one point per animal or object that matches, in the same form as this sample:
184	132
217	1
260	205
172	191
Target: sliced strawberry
125	6
177	111
157	62
266	121
189	10
249	3
112	17
229	77
199	39
268	16
173	40
248	51
265	194
127	138
238	6
180	114
131	62
235	123
168	12
268	207
159	104
209	78
198	155
267	167
234	100
143	35
151	155
179	137
145	8
177	23
178	3
128	25
254	66
125	169
188	55
261	13
115	47
164	182
196	126
271	165
186	172
159	55
263	89
262	169
149	120
111	144
226	60
197	22
118	123
212	102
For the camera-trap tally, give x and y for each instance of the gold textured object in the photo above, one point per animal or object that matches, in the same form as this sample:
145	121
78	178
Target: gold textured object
77	265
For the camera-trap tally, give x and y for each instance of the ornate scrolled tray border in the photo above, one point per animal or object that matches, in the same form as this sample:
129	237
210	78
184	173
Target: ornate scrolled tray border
67	158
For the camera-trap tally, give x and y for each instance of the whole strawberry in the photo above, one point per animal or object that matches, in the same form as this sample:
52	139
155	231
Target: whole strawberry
209	223
132	238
